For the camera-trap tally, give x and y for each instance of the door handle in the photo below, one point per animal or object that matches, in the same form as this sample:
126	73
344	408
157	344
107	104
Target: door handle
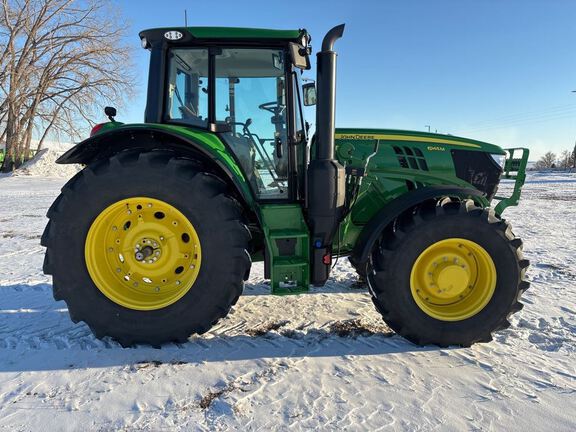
278	147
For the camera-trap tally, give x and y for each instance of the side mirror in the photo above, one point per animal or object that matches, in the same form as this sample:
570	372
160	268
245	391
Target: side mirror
309	90
299	56
110	112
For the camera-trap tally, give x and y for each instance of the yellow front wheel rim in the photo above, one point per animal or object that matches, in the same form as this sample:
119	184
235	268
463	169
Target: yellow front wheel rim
453	279
143	253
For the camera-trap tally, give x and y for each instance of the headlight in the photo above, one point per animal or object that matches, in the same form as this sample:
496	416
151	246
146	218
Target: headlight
499	159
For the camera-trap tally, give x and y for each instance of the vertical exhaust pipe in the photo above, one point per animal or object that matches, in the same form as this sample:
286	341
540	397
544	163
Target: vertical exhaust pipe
326	189
326	105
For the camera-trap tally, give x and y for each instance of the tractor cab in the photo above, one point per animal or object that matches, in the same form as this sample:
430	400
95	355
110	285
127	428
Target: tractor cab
245	88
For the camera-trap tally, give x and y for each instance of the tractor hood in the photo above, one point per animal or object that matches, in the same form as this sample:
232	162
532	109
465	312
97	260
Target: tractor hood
390	136
421	158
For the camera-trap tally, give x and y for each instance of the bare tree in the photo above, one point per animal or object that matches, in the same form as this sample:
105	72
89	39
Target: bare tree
60	60
566	159
546	162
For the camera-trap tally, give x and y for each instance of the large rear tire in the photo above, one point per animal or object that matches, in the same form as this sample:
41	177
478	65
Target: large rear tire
448	273
146	248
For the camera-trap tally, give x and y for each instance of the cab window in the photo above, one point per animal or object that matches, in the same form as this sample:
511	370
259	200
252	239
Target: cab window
187	100
251	99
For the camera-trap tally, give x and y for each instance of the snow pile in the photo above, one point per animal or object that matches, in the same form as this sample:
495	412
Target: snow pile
44	165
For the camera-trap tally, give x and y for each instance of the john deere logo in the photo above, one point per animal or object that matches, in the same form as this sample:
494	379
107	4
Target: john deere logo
355	137
173	35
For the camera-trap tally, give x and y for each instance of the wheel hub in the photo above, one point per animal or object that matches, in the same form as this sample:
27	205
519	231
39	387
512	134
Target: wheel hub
143	253
453	279
147	251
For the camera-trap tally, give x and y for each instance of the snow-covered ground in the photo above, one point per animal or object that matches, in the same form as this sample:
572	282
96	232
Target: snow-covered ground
316	361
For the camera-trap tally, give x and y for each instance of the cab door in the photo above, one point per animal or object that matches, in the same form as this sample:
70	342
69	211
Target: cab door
251	97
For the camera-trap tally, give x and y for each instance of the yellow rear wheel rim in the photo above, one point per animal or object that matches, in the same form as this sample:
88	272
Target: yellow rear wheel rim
143	253
453	279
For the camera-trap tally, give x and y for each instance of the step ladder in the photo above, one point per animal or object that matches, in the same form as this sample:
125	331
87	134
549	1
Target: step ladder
287	248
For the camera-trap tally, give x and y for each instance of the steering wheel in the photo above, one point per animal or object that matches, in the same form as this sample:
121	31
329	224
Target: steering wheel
273	107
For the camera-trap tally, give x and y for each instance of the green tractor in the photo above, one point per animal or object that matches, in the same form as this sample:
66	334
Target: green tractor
152	241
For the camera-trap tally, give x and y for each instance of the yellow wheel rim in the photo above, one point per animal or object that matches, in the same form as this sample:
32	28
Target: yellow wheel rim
453	279
143	253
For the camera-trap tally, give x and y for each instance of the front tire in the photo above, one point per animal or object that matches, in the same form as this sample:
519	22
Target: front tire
448	273
146	248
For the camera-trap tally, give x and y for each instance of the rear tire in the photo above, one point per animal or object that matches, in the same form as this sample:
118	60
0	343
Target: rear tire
202	200
491	248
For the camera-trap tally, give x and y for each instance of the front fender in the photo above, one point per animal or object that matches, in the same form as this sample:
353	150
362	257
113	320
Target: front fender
386	215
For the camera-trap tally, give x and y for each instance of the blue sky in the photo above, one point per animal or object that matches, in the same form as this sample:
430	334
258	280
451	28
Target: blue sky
495	70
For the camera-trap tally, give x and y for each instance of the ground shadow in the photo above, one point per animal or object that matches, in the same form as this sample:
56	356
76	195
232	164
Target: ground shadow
42	338
332	286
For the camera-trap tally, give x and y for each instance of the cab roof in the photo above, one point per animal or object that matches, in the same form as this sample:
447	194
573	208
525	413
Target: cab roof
214	34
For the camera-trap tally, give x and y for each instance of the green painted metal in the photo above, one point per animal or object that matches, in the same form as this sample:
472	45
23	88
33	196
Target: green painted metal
242	33
386	180
403	136
514	169
287	247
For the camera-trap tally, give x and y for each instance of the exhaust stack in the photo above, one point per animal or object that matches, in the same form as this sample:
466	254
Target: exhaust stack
326	105
326	178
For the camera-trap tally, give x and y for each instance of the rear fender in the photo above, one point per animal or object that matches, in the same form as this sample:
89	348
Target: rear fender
188	143
386	215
